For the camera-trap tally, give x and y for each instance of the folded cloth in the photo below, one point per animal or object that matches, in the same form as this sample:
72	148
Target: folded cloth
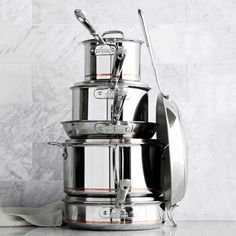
49	215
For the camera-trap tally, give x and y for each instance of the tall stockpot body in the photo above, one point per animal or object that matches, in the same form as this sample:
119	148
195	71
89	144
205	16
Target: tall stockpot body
94	167
99	58
93	101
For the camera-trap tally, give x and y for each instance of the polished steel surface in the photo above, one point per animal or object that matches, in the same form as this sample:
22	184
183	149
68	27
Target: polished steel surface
80	15
149	46
123	188
100	65
94	101
132	216
119	94
95	168
118	104
115	176
177	153
171	133
105	129
107	83
118	61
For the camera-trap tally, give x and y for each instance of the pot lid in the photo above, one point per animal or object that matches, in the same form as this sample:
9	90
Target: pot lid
171	133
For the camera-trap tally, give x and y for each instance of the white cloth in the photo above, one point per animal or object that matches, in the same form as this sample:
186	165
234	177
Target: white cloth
49	215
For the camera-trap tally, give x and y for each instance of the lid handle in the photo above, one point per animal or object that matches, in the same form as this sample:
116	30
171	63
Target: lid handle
114	32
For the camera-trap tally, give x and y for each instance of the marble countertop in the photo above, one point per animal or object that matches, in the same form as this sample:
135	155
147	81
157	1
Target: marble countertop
183	229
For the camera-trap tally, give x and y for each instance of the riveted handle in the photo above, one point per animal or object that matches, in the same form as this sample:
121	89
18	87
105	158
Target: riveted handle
113	32
81	17
61	145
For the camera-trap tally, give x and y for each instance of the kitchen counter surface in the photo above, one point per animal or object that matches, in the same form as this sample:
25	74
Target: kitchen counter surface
183	229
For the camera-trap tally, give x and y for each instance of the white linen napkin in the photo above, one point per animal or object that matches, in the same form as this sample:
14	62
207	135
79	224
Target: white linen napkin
49	215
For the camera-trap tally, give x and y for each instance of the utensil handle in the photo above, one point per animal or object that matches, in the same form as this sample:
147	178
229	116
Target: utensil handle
117	65
81	17
149	46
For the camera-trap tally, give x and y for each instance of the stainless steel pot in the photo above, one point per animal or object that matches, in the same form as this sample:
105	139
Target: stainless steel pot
94	167
105	129
94	101
101	213
99	58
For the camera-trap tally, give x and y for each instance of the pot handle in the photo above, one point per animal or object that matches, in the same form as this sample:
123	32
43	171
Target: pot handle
61	145
114	32
81	17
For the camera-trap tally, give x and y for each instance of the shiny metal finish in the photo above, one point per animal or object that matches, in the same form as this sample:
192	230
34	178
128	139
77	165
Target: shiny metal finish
100	65
95	167
105	129
171	133
94	101
149	46
103	215
80	15
123	188
115	176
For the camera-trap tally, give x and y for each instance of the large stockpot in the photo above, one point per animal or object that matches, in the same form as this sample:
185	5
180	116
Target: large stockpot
93	101
99	58
94	167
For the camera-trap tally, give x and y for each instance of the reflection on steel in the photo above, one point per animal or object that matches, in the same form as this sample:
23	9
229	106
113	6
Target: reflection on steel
121	171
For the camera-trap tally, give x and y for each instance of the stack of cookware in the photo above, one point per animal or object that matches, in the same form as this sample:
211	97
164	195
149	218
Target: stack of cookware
121	172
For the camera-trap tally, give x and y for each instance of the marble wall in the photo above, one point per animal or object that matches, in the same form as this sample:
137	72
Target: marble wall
41	56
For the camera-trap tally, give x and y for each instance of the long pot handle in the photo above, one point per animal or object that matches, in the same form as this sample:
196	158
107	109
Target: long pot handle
149	46
119	58
81	17
61	145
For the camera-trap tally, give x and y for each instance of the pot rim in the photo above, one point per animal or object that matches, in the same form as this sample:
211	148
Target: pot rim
113	40
107	83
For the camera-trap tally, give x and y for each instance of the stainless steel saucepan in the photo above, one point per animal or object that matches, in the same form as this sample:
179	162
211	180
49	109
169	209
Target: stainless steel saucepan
105	129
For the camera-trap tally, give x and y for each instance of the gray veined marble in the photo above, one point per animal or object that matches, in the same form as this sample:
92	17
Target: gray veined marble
101	12
10	194
16	12
40	193
218	11
57	44
41	56
47	162
51	82
16	43
16	84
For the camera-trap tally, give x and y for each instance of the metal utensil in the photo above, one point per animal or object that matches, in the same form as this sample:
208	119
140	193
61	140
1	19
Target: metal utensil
81	16
149	46
171	133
